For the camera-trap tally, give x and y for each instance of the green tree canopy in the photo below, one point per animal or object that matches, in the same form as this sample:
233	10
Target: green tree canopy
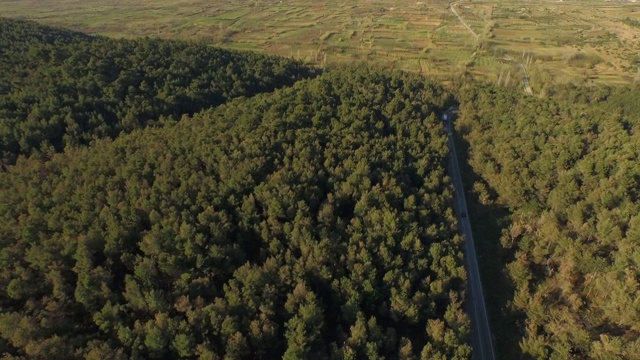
60	88
315	221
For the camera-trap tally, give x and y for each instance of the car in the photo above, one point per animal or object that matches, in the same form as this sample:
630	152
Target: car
464	214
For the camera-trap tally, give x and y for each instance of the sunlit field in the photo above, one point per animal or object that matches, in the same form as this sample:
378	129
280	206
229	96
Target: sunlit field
570	41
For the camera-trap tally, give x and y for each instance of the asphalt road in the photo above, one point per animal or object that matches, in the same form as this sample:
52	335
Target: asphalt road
481	337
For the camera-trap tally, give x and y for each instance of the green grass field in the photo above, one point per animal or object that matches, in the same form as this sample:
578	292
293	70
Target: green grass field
411	35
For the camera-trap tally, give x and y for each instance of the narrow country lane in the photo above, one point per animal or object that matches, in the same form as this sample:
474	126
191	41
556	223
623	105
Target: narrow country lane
481	337
453	9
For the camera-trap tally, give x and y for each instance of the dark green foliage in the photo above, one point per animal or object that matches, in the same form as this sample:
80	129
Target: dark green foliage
59	88
314	222
567	168
631	22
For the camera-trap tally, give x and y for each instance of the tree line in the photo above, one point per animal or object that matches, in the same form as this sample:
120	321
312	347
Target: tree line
61	89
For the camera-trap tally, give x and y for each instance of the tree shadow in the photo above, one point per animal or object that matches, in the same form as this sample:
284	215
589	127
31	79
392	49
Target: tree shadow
488	220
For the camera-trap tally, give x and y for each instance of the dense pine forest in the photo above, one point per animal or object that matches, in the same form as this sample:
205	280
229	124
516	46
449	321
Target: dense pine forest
167	199
60	89
315	221
567	169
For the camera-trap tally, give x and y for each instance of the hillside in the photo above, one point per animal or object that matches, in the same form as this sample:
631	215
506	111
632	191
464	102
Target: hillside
314	222
567	169
168	199
60	88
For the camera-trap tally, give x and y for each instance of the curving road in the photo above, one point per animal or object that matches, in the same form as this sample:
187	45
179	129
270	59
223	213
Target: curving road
481	338
461	20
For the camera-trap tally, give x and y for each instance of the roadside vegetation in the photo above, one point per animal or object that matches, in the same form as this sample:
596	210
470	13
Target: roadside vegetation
166	198
314	221
566	169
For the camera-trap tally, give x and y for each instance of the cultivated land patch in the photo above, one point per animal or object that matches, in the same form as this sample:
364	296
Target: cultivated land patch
416	36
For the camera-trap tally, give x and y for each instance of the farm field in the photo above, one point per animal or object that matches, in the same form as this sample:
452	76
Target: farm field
570	41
